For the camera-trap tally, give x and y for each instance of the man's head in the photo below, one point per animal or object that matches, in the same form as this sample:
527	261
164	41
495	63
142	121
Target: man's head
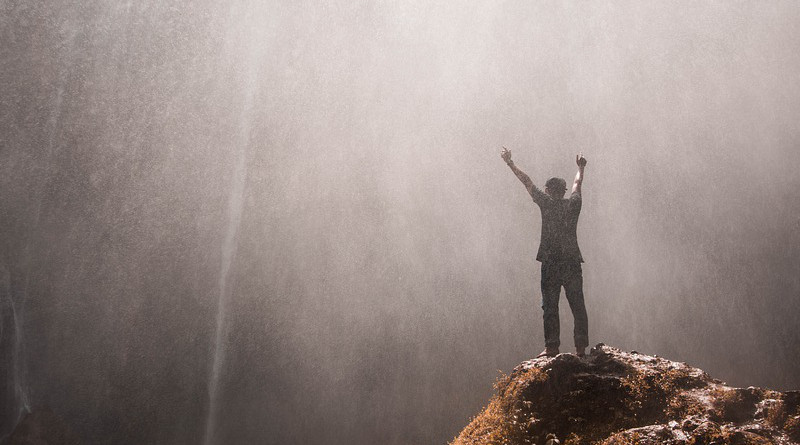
555	187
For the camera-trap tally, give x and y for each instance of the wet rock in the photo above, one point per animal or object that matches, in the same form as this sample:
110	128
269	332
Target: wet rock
612	396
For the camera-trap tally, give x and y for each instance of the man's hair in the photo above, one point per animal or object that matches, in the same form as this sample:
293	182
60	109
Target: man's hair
556	184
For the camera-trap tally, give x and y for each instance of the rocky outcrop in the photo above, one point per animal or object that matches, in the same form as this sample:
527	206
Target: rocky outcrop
616	397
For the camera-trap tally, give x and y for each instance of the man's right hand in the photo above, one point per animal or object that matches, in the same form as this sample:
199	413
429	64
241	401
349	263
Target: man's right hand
506	155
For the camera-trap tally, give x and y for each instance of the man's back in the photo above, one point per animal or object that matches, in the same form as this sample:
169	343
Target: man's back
559	241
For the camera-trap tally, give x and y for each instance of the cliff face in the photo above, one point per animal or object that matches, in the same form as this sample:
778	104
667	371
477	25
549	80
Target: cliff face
616	397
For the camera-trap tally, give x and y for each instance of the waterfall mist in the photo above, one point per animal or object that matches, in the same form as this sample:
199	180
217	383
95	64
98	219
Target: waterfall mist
272	222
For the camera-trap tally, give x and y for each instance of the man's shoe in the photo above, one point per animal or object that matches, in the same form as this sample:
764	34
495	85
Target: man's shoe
580	352
548	352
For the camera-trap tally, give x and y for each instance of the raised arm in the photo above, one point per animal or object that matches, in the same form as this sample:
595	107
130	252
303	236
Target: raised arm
526	180
581	161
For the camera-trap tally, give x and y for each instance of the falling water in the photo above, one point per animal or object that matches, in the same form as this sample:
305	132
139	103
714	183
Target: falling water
20	393
394	248
17	305
229	246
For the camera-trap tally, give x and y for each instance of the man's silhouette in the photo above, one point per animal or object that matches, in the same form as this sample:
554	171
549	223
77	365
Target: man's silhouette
559	254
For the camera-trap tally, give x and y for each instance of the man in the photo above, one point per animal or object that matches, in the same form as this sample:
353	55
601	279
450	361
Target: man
559	254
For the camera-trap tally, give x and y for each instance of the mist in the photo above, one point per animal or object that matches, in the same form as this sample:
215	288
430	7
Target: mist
288	222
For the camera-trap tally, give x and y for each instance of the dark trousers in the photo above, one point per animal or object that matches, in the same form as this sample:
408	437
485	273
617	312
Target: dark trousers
570	276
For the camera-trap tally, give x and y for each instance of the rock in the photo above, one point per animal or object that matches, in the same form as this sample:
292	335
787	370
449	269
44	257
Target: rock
612	396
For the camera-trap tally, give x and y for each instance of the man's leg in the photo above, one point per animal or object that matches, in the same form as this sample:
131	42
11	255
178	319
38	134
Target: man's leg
573	287
551	290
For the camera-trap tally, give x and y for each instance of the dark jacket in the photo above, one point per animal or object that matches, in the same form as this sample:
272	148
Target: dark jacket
559	240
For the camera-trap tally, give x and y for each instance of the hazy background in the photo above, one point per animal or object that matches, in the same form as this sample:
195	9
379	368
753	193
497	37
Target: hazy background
312	193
